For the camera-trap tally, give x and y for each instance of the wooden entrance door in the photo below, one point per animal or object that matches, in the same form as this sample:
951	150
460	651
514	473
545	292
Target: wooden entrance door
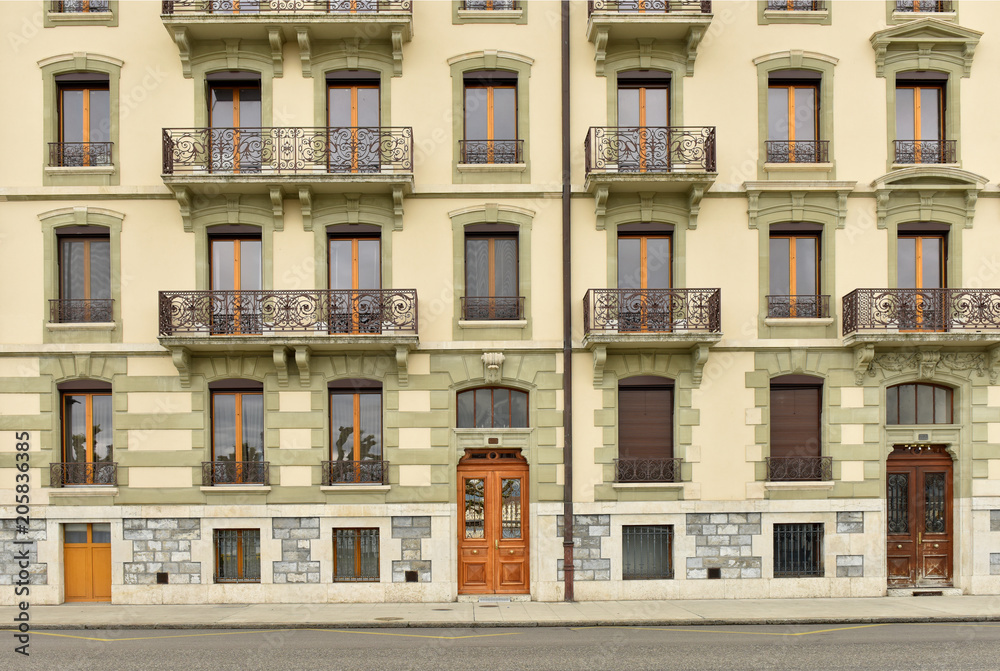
87	562
919	516
492	529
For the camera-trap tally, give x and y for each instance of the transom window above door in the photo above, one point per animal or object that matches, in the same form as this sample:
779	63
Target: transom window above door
492	408
919	403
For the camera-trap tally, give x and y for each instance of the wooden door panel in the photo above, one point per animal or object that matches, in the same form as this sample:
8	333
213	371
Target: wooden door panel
101	573
77	573
900	569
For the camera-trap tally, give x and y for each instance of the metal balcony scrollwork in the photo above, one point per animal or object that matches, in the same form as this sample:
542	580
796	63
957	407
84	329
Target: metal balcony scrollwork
492	307
79	6
921	310
262	312
492	151
491	5
235	473
666	469
83	473
282	151
924	6
783	469
799	306
796	5
81	310
79	154
652	310
651	149
251	7
925	151
649	6
797	151
355	472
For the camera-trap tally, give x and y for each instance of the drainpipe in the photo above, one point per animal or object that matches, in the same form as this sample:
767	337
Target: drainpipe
567	352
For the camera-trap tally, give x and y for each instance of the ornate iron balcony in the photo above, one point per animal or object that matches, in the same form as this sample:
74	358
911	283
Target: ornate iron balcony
263	312
797	151
283	151
492	307
355	472
491	5
649	6
491	151
925	6
796	5
81	310
83	473
921	310
652	310
925	151
79	154
78	6
235	473
654	149
283	6
801	306
648	470
782	469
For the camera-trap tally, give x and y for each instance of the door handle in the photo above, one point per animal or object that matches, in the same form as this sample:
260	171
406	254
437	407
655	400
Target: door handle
496	543
920	537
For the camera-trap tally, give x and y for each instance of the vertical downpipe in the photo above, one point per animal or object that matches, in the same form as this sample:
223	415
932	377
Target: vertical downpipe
567	315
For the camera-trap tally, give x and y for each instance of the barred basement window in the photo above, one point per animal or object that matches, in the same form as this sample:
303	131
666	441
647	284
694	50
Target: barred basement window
798	550
355	555
647	552
237	555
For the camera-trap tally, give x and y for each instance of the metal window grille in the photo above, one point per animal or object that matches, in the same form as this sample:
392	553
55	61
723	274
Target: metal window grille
237	555
355	555
798	550
647	552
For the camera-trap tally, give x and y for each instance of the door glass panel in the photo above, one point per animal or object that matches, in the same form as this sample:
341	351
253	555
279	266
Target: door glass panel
75	533
484	408
934	503
906	268
75	427
628	107
629	264
250	264
510	511
466	416
779	266
222	110
930	120
505	267
931	263
224	427
658	263
368	111
805	267
656	107
805	113
223	265
72	116
73	277
253	427
777	113
369	262
342	426
103	430
504	114
475	508
904	114
340	107
907	404
477	267
101	533
897	501
100	115
341	264
476	112
250	107
370	445
925	404
100	269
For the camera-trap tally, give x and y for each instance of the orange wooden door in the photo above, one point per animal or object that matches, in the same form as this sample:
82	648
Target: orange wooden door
87	562
493	529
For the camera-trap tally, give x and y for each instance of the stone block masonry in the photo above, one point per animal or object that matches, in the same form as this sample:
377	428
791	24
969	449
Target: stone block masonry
296	535
38	573
588	564
850	523
723	541
995	563
162	545
850	566
411	531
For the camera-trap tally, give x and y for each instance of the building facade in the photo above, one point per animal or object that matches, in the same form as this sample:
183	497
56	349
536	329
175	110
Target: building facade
284	295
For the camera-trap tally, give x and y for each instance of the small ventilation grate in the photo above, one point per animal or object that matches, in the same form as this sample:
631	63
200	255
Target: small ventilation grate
932	593
494	599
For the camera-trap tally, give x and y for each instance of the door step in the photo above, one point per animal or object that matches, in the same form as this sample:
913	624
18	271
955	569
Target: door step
493	598
924	591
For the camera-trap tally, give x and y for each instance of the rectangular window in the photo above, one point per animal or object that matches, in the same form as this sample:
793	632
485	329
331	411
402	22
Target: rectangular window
88	439
80	6
84	121
794	289
234	117
490	108
355	555
793	121
647	552
355	278
84	280
356	437
643	137
646	434
236	280
798	550
237	555
796	432
920	136
491	278
238	438
353	125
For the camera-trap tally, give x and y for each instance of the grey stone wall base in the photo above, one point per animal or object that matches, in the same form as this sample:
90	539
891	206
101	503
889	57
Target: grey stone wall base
162	545
10	568
422	567
850	566
850	522
588	530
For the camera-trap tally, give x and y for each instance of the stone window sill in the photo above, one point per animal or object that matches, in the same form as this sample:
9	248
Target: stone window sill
900	166
803	485
329	489
798	167
649	486
82	326
81	18
493	323
911	16
83	490
230	489
490	15
798	321
81	170
492	167
796	16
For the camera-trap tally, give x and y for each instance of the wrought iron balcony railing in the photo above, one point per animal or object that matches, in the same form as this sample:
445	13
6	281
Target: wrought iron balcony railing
79	154
796	5
492	307
652	310
783	469
81	310
800	306
491	151
925	6
653	149
649	6
79	6
235	473
491	5
925	151
648	470
263	312
283	6
921	310
66	473
797	151
282	151
355	472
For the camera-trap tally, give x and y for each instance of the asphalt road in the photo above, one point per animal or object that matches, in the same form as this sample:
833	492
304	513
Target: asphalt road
887	646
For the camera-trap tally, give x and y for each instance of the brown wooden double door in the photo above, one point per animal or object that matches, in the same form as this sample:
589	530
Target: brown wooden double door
493	524
87	561
920	530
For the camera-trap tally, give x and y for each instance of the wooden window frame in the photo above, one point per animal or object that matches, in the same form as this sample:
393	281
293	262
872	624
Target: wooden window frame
354	578
644	258
89	410
642	86
940	87
919	256
792	263
490	88
355	257
238	422
237	273
235	87
491	259
510	407
240	558
916	385
86	239
791	85
86	88
356	419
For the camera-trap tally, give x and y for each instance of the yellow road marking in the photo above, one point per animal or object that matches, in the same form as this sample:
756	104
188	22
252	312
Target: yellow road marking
799	633
266	631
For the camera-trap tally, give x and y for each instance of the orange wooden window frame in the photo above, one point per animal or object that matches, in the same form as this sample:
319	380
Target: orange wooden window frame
919	258
357	555
490	88
790	112
238	422
644	257
85	114
89	422
355	418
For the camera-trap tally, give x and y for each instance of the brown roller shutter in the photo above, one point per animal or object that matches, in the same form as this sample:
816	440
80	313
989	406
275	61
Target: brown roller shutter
645	422
795	421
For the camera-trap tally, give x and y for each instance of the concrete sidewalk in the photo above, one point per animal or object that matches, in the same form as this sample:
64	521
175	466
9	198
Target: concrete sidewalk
517	614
